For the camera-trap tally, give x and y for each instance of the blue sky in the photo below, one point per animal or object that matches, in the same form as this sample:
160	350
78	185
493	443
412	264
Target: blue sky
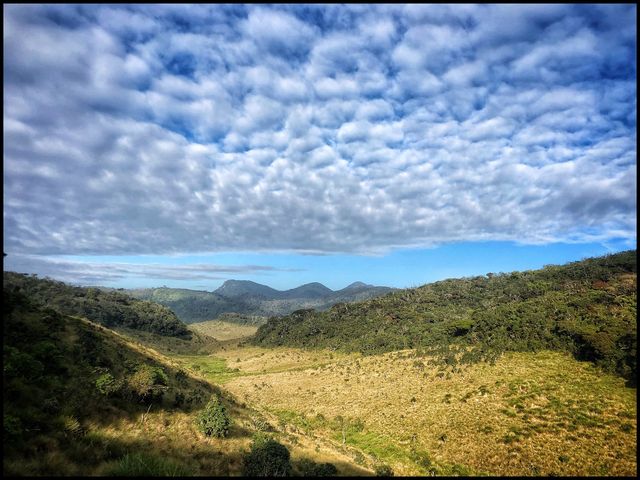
392	144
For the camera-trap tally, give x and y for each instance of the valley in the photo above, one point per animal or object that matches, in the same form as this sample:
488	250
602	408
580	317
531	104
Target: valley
530	373
529	414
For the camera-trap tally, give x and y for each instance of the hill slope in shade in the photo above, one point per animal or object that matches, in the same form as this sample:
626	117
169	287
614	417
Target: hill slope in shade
80	399
587	308
251	299
66	379
110	308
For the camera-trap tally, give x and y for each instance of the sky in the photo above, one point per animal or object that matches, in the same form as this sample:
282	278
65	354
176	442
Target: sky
184	145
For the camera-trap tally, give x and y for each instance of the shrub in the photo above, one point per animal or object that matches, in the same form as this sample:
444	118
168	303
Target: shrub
383	470
148	382
309	468
267	458
12	427
106	384
213	420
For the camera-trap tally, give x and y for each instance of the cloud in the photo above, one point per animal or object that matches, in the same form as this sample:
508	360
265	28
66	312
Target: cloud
86	272
317	128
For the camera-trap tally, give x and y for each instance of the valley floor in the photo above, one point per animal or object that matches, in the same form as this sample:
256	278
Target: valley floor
529	414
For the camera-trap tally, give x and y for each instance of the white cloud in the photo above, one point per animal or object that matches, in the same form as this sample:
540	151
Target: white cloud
156	129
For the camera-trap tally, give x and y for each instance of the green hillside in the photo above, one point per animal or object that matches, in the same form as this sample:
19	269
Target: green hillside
65	380
109	308
192	305
587	308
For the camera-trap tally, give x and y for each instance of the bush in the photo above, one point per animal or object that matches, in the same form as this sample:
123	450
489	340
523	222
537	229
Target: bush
267	458
12	427
148	382
384	470
106	384
214	420
309	468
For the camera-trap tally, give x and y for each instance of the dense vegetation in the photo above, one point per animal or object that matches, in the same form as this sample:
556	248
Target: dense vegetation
63	375
586	307
109	308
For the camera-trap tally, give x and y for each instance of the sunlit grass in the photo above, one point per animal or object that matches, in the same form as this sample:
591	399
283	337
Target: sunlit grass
529	414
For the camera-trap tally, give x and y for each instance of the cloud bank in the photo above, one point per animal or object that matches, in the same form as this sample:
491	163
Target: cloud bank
94	273
318	128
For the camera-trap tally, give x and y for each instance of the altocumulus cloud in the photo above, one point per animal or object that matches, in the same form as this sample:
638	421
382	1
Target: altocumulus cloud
171	129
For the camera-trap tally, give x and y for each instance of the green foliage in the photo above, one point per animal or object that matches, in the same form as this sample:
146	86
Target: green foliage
214	420
107	385
147	465
309	468
109	308
12	427
267	458
586	307
147	383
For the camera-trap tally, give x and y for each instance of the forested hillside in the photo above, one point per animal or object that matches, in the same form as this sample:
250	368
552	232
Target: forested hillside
192	305
586	307
109	308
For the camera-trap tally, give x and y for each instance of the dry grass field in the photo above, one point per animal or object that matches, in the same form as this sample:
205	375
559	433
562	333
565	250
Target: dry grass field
223	331
529	414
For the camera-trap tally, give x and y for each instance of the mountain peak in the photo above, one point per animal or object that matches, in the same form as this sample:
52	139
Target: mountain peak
235	288
357	285
308	290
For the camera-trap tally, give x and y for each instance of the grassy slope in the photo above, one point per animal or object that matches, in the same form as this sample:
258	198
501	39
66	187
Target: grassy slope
587	308
221	330
529	414
56	422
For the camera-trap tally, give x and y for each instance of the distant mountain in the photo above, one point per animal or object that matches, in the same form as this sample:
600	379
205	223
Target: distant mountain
246	298
356	285
239	288
310	290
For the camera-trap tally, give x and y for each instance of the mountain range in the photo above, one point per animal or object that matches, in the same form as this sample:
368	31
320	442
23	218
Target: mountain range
253	299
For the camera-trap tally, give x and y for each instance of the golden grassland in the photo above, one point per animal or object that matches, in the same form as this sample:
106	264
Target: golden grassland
223	331
174	434
529	414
